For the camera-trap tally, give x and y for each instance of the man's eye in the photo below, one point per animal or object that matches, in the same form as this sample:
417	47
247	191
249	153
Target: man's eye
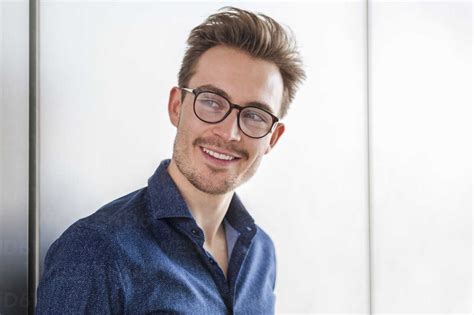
210	103
254	116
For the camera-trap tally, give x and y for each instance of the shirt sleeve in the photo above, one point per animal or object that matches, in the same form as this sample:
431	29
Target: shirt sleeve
81	276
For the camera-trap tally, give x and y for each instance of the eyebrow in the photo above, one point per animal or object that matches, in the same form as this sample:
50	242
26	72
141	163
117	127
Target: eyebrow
212	88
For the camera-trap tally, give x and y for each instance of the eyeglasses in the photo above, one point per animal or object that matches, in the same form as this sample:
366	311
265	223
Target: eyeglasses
213	108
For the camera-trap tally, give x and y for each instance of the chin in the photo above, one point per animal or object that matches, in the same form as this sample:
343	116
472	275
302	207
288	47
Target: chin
210	182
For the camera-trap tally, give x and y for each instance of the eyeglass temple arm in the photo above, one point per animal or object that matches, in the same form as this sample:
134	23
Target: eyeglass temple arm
187	90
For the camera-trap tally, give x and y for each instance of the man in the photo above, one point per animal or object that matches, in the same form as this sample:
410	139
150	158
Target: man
185	244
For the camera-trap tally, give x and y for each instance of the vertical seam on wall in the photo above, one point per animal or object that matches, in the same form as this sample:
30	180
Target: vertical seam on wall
32	160
369	173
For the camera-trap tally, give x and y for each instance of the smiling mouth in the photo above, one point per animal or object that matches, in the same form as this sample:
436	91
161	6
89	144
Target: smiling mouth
218	155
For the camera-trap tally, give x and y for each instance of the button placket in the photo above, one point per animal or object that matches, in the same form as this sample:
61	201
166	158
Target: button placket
196	235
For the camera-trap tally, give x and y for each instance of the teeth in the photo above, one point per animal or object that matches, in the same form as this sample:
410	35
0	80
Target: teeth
218	155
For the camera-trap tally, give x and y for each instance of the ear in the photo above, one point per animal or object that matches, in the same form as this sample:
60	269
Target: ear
174	105
279	130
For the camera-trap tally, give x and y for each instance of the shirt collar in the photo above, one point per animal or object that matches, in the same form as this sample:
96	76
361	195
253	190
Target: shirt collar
166	202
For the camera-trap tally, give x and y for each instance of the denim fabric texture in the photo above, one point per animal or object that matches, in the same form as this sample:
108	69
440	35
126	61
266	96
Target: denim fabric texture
143	253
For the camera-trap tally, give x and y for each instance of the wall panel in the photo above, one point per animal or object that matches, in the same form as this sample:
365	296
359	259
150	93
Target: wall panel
420	83
13	156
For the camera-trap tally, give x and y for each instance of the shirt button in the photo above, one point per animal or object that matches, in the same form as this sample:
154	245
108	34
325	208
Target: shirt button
212	261
249	228
194	231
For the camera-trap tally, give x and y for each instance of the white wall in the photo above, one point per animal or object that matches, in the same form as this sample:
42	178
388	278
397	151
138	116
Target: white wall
420	83
106	70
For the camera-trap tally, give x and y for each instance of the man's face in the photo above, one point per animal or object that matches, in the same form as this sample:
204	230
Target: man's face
216	158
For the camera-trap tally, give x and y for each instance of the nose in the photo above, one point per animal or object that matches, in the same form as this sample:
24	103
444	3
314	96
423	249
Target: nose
228	129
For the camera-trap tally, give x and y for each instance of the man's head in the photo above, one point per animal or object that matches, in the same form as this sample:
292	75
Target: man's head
256	34
250	61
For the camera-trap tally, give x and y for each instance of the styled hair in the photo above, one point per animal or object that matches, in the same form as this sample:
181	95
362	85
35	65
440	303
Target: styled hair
256	34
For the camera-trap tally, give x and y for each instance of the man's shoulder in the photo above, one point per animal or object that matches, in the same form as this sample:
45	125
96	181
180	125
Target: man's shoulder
125	212
263	242
83	267
110	223
262	235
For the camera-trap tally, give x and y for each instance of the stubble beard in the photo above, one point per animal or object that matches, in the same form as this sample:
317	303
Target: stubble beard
207	183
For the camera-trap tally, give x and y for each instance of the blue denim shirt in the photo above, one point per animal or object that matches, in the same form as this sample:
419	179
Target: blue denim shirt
143	253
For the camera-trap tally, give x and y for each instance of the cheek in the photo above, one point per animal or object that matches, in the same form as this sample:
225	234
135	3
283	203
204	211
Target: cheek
257	150
193	124
187	126
183	117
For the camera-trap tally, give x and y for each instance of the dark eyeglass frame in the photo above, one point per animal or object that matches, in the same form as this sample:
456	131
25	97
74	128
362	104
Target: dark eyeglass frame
198	91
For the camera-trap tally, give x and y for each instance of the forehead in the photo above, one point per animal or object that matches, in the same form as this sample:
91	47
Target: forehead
245	79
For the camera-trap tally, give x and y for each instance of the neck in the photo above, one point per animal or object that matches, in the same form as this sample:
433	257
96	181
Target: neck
208	210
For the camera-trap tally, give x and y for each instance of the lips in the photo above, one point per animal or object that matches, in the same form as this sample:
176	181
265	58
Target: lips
218	156
217	146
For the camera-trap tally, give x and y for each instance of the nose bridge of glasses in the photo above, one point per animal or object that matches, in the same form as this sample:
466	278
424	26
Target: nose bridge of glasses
236	106
232	115
230	123
238	110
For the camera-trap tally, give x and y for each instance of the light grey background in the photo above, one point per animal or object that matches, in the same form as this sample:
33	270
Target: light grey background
13	155
105	72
